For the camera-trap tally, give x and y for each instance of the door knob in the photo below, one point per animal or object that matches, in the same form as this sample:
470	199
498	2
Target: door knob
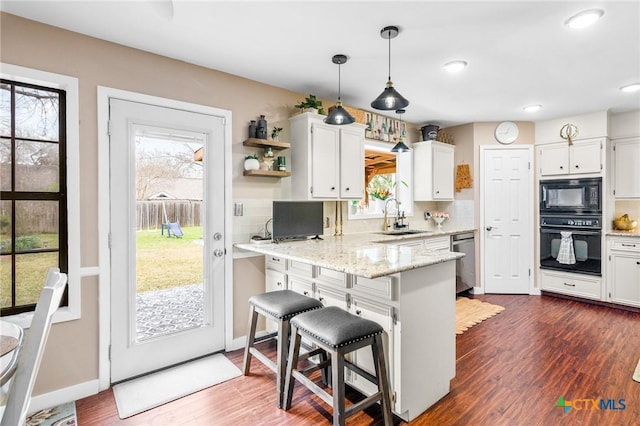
489	228
218	252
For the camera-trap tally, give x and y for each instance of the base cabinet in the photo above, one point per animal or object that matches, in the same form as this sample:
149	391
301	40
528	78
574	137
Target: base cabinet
416	309
586	286
623	278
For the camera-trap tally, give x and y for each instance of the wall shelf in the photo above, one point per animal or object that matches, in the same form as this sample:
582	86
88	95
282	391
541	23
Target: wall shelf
264	143
268	173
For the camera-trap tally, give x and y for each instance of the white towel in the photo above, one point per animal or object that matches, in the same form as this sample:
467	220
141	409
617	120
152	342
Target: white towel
566	254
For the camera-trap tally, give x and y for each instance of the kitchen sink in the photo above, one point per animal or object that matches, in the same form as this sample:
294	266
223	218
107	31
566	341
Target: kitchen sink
403	232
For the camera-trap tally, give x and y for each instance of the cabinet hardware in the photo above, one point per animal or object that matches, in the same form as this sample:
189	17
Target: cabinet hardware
577	167
628	245
637	263
279	284
569	285
306	293
358	312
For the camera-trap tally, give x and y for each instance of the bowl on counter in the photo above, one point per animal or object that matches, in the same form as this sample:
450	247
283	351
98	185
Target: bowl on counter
625	224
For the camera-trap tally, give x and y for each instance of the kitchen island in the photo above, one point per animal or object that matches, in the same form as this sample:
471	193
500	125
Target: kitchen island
408	290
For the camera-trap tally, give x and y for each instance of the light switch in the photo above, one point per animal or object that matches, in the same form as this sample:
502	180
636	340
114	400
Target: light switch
237	209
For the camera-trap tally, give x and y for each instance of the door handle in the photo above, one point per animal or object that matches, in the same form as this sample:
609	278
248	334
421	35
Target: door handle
489	228
218	252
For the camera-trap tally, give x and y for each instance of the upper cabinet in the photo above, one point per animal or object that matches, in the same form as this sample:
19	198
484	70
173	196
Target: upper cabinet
327	161
626	170
433	171
582	157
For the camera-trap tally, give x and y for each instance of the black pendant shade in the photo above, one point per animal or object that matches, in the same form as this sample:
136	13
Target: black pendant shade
338	115
390	99
400	146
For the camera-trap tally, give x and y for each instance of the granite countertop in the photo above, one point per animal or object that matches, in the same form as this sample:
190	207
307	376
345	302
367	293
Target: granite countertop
369	255
621	233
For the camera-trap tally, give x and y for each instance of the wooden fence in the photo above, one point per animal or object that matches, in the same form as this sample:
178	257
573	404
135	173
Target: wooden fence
151	214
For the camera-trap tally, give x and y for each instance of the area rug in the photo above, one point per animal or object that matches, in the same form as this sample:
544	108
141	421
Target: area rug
60	415
636	374
470	312
153	390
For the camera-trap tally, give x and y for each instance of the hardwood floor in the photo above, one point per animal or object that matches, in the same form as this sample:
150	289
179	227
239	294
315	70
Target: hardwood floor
511	370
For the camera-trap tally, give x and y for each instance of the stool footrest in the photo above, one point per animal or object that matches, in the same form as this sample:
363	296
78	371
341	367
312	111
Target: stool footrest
361	405
264	359
370	377
313	387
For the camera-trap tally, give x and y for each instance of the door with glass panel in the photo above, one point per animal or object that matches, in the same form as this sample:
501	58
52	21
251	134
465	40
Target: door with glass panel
167	248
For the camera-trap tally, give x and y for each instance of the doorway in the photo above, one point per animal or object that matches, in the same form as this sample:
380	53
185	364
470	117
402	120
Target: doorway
506	219
167	236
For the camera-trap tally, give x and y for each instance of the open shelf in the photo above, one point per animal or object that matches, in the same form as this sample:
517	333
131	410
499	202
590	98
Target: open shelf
264	143
268	173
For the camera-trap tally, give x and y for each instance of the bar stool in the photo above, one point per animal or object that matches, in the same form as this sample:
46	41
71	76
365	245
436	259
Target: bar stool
281	306
338	332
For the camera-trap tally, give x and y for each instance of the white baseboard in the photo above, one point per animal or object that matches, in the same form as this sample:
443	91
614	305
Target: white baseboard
61	396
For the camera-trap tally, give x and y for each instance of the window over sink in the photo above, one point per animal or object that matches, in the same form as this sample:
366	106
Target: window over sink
387	175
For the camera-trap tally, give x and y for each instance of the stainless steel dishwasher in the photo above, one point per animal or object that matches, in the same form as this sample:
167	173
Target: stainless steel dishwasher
466	266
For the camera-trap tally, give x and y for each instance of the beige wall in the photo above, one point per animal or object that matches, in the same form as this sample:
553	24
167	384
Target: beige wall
72	351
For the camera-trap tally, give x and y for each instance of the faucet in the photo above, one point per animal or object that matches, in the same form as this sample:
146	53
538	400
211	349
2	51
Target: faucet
385	224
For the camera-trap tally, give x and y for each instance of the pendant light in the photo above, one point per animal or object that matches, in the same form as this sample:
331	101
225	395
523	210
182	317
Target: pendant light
389	99
400	146
338	115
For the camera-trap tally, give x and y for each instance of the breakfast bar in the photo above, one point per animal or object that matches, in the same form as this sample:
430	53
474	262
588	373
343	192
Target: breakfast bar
408	289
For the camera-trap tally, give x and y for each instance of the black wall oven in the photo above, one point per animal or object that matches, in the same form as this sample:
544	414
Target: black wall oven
572	207
586	236
573	196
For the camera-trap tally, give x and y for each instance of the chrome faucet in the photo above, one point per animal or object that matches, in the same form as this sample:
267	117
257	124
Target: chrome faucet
385	225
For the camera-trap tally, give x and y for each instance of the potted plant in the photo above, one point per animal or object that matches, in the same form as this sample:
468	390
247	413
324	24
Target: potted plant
275	133
251	162
310	104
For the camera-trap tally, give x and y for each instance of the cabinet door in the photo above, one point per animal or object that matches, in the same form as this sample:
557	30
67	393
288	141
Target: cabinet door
585	157
300	285
325	166
554	159
442	172
351	163
626	158
331	296
625	279
363	358
275	280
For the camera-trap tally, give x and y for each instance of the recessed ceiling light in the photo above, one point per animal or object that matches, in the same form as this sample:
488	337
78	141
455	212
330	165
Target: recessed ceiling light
631	87
455	66
584	18
532	108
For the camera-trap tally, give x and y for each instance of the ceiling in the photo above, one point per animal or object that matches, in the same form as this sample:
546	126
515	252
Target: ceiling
519	52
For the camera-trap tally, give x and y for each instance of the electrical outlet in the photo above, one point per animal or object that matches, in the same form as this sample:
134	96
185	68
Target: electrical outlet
327	222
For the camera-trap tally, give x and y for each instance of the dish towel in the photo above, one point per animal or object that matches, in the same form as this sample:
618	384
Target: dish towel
566	254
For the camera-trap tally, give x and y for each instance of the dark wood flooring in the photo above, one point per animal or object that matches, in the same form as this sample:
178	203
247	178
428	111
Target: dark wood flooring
511	370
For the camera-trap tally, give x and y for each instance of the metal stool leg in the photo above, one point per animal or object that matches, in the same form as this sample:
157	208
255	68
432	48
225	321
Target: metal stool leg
251	335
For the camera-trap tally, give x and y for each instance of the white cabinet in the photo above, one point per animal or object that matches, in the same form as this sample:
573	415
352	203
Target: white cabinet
585	286
623	277
626	169
582	157
432	171
327	162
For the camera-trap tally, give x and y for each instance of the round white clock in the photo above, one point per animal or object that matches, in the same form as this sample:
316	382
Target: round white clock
506	132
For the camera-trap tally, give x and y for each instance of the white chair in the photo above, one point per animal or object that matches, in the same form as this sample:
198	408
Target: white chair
15	412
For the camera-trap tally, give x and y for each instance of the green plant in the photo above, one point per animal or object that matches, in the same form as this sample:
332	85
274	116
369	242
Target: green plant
275	132
251	157
310	102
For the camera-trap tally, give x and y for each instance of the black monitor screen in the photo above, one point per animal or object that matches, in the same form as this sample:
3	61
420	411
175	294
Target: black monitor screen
297	219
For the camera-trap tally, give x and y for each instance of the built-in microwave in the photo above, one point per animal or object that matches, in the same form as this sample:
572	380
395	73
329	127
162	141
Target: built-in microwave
571	196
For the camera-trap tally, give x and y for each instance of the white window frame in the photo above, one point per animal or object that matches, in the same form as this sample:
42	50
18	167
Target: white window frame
70	85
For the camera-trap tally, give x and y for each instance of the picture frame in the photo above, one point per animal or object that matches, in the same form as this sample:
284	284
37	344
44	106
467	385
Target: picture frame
383	128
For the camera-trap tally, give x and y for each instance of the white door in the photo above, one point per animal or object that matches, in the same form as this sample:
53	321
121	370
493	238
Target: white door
167	194
506	195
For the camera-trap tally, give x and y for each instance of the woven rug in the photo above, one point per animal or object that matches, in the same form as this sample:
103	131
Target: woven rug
470	312
61	415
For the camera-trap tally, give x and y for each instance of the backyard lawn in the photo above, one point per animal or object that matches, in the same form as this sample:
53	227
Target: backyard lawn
161	263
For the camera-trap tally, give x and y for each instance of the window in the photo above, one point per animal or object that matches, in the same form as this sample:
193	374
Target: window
33	204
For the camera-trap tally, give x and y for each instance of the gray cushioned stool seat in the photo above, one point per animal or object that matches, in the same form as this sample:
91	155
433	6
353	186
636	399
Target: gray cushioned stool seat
335	327
284	304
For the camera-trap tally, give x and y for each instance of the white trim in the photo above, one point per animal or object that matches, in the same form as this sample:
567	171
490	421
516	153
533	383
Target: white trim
530	197
89	271
61	396
70	86
104	289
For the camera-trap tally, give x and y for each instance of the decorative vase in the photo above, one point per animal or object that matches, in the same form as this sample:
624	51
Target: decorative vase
261	130
379	205
252	129
438	221
251	164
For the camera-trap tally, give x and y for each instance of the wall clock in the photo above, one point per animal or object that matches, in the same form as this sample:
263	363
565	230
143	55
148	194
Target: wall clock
506	132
